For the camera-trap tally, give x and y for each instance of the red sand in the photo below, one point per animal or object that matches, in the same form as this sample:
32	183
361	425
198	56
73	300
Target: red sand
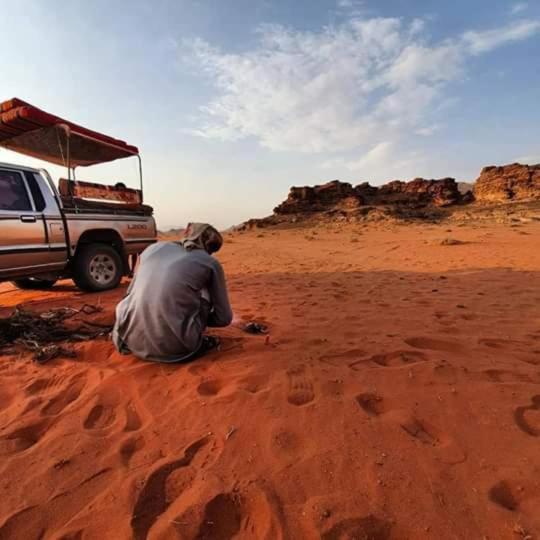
398	397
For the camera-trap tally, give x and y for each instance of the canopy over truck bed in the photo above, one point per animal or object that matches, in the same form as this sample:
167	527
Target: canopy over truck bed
36	133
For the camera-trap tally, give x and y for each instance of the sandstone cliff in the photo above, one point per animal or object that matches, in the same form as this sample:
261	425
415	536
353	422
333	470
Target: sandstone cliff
513	182
417	199
417	193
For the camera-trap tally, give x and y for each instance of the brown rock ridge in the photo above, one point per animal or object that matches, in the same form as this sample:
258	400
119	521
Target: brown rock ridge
418	199
417	192
444	192
513	182
318	198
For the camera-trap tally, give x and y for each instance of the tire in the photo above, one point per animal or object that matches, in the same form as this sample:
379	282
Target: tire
34	283
97	267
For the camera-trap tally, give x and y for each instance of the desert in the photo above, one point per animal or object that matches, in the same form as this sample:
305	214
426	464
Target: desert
270	270
395	395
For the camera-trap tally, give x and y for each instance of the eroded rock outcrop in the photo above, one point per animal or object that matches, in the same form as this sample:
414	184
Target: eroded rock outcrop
341	195
442	192
430	200
513	182
317	198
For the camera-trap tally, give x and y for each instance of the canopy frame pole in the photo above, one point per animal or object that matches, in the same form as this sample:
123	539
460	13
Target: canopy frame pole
67	131
70	169
141	177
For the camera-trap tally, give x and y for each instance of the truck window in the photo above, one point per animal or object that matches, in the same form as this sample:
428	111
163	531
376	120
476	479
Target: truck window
13	195
39	201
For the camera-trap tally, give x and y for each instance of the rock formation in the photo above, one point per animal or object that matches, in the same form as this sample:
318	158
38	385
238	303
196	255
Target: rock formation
417	199
513	182
316	199
442	192
417	193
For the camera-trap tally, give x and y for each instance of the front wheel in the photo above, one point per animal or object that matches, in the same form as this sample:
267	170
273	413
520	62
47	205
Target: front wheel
97	267
34	283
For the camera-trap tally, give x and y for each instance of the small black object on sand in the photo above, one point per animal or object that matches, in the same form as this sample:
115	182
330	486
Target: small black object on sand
255	328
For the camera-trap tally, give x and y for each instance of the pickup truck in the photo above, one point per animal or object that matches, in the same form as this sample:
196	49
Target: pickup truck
89	232
43	239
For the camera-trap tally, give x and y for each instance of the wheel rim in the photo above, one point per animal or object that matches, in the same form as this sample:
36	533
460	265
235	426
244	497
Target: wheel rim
103	269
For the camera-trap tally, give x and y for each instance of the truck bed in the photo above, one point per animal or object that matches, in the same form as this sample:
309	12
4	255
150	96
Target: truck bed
83	206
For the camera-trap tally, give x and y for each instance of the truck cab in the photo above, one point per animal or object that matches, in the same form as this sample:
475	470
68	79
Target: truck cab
33	231
86	231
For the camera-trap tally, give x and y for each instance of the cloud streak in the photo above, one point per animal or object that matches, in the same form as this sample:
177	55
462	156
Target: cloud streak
519	7
482	42
357	85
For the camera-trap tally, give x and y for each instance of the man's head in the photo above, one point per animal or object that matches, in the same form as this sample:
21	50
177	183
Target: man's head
202	236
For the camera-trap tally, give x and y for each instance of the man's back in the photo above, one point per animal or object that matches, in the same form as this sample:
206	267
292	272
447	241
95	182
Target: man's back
162	316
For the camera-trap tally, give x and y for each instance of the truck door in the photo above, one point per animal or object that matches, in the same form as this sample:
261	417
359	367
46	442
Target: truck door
24	248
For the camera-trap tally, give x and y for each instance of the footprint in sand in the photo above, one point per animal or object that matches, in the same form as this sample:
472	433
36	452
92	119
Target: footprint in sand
392	359
253	383
65	397
447	450
445	371
255	513
336	359
222	518
55	512
369	527
152	500
6	398
100	417
415	428
502	495
23	438
129	448
47	384
501	343
133	420
522	416
513	495
301	389
210	388
106	410
505	376
38	386
434	344
372	404
288	444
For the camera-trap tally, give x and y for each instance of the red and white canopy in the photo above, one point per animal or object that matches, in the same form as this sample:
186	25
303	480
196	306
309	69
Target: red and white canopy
33	132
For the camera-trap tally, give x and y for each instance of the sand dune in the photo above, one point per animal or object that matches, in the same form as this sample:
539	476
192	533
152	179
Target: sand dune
397	396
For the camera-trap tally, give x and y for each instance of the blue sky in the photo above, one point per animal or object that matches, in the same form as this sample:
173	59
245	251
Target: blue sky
233	101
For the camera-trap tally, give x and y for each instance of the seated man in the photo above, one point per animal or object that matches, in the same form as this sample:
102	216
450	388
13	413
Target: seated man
179	289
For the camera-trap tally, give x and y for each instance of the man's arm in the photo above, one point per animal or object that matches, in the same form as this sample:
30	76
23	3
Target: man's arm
221	314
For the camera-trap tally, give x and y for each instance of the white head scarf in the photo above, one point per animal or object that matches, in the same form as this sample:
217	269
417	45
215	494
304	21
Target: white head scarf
202	236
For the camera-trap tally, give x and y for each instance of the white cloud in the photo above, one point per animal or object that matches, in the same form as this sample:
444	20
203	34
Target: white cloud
355	8
519	7
373	157
481	42
384	160
358	85
531	159
428	130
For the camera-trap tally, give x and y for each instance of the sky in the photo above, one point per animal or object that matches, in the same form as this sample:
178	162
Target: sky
231	102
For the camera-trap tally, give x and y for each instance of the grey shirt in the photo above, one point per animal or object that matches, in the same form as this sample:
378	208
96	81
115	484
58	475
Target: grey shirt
163	315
